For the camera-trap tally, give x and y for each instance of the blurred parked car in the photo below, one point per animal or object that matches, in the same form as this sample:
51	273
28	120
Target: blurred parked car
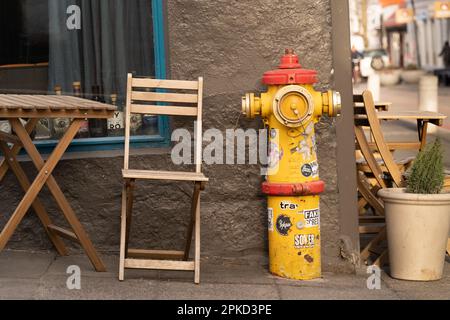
373	60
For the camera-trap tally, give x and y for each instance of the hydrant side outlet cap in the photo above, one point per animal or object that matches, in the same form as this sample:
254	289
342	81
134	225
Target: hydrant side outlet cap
290	72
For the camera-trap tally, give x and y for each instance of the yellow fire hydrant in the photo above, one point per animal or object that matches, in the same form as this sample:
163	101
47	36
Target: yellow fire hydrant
289	109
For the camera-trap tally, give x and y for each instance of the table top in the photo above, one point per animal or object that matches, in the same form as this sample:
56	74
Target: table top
433	117
52	106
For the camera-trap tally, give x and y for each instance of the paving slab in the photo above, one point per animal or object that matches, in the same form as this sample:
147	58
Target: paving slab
224	274
55	287
335	293
19	289
24	265
207	291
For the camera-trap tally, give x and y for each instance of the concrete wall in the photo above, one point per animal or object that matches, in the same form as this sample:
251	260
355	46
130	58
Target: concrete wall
231	44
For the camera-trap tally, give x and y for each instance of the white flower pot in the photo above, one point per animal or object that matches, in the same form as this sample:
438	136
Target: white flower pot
389	77
412	76
417	231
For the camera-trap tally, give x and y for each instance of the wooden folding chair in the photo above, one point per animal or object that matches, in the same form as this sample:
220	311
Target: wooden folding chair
384	170
144	97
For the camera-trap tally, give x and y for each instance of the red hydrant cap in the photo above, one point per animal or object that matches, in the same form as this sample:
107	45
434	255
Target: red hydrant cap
290	72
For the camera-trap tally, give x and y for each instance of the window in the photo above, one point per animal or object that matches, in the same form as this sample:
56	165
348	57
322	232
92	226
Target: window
84	48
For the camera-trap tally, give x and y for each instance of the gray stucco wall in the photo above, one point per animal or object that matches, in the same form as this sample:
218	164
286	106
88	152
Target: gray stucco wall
231	44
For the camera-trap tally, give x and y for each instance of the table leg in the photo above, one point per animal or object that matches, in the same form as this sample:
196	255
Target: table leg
45	177
16	148
422	127
37	205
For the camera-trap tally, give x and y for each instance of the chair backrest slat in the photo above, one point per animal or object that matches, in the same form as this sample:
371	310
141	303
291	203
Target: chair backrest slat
165	84
164	97
164	110
150	96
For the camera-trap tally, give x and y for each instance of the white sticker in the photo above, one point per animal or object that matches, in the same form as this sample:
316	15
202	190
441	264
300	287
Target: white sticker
312	218
116	122
270	219
302	241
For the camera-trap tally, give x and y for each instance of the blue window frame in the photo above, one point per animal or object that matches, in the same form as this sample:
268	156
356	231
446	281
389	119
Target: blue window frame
162	139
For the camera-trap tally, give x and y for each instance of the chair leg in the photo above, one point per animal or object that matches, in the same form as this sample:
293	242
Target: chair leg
197	243
130	197
448	247
194	205
123	228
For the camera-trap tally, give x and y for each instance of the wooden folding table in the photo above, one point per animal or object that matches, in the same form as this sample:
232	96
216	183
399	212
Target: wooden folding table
32	108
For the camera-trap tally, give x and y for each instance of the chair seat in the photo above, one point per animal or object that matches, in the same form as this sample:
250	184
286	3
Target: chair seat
164	175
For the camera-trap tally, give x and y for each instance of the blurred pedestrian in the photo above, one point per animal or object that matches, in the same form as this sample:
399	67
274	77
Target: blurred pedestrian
356	58
445	54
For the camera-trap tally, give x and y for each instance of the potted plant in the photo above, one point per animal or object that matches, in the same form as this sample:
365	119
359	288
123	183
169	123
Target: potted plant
418	219
389	76
411	74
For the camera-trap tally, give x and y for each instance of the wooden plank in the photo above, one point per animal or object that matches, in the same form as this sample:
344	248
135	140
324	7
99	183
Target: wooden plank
159	264
432	117
10	138
197	244
199	133
127	123
130	195
29	127
163	175
399	145
64	233
164	97
39	114
164	110
194	204
154	254
123	228
423	135
51	102
165	84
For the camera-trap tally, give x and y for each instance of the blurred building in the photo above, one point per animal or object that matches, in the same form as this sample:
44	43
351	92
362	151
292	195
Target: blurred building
413	32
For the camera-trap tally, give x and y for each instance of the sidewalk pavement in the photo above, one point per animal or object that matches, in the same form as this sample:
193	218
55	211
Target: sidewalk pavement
31	275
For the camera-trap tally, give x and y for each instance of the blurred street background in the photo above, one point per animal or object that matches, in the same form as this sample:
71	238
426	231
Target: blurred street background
395	43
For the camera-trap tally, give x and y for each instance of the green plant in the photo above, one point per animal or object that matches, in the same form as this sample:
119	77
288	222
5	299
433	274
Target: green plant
427	173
